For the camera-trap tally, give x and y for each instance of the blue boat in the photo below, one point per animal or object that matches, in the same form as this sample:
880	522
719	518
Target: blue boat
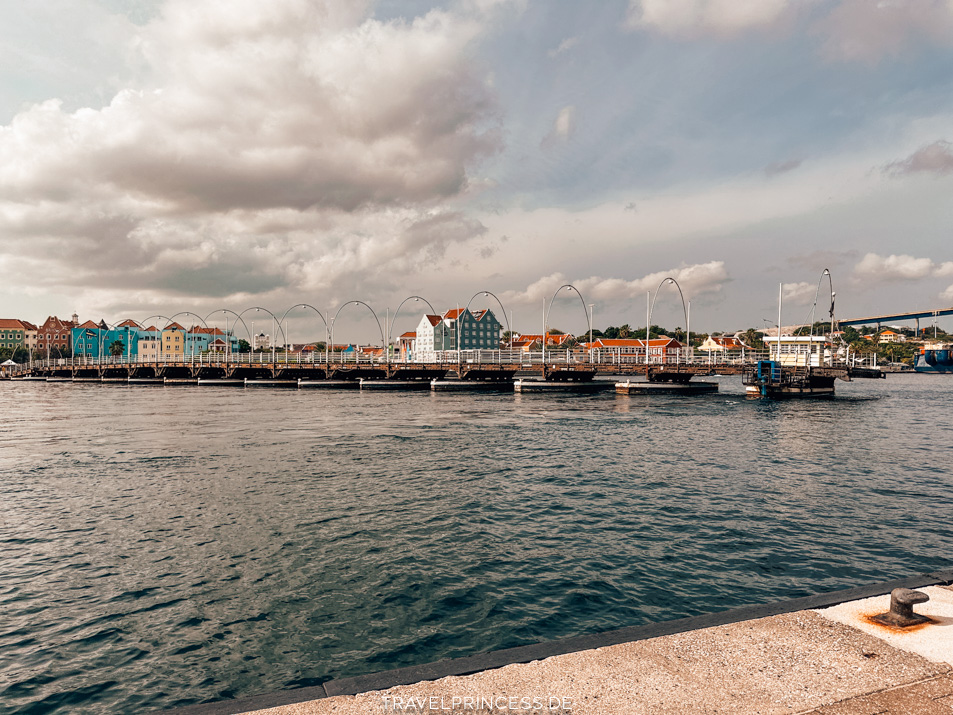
934	359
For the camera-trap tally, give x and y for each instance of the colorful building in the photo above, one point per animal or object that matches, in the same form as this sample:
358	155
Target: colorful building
457	329
529	342
92	340
661	350
200	340
12	333
54	337
172	346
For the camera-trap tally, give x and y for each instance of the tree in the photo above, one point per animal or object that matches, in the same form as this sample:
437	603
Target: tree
244	346
117	348
753	339
18	354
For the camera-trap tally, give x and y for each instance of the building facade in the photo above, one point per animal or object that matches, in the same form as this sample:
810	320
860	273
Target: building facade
54	337
12	333
660	350
794	350
456	330
92	340
200	340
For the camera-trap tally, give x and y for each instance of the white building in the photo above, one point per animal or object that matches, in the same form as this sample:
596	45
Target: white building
803	350
261	341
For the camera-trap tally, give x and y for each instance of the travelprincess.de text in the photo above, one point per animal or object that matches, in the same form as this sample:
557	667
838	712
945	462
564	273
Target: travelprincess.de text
477	703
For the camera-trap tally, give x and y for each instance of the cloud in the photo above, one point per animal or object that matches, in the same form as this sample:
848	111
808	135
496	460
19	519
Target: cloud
846	30
900	268
689	18
935	158
947	294
562	129
564	46
799	293
694	280
276	146
865	31
782	167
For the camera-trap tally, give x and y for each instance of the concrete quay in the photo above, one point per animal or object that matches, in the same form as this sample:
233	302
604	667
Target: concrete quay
818	655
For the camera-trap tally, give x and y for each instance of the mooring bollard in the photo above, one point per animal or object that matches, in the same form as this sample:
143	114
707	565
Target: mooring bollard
901	612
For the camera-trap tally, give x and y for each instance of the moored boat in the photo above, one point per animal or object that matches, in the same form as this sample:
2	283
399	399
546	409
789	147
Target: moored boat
934	359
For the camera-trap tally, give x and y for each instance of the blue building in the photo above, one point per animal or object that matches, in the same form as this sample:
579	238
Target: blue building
201	340
92	340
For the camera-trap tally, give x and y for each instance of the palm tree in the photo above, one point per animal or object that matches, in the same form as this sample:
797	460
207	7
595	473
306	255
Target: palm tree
117	348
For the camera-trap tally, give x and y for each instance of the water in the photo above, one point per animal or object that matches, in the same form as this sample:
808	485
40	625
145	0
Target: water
166	546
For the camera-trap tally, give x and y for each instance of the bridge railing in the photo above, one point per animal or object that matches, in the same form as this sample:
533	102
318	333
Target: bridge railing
450	358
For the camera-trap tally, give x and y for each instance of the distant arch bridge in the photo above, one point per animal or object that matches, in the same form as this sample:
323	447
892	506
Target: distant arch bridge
879	320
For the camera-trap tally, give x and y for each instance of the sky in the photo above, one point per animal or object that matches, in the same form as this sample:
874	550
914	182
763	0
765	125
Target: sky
192	157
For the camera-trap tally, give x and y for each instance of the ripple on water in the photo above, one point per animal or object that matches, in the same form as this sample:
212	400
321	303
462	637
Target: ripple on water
199	545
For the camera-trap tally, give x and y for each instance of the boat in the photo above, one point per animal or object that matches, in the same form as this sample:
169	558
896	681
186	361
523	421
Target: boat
768	378
936	359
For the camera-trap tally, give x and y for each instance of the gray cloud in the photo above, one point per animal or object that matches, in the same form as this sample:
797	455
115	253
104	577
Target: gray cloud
866	32
282	145
782	167
935	158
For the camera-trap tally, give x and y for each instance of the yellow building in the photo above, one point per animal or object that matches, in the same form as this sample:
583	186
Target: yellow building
173	342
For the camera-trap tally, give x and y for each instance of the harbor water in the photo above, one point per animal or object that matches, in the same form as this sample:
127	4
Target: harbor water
162	546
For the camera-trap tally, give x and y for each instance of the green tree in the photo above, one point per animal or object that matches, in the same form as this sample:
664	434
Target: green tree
753	339
117	348
244	346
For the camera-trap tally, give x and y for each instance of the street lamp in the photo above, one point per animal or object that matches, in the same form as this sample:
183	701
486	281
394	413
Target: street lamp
485	294
567	286
591	306
357	302
390	325
300	305
648	323
814	307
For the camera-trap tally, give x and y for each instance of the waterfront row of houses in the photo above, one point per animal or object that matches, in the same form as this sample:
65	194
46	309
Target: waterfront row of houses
59	338
434	338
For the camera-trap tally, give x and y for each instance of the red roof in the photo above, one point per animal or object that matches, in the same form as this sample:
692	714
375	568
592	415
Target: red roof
453	314
434	319
11	324
634	343
551	338
89	325
128	323
408	335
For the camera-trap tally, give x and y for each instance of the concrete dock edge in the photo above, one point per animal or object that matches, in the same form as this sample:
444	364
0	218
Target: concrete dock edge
538	651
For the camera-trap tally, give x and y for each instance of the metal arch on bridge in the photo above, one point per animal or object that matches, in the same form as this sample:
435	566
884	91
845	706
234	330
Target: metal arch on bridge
567	286
817	291
274	317
357	302
648	327
487	293
390	327
305	305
